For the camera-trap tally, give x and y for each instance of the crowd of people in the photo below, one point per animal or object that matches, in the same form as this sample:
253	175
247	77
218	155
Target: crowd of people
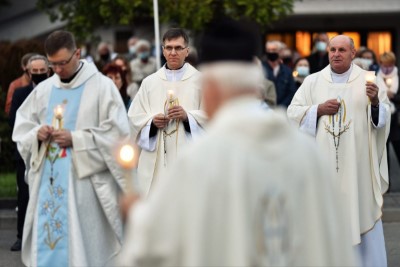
222	178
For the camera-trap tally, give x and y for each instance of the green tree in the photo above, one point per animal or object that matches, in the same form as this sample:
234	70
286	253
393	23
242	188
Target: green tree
84	16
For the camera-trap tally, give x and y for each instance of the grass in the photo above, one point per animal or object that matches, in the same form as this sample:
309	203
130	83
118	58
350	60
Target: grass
8	185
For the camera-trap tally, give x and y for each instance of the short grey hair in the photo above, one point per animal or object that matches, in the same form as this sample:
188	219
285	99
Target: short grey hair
38	57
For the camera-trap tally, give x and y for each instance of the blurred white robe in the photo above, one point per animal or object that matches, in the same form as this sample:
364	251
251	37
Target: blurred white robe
95	226
252	192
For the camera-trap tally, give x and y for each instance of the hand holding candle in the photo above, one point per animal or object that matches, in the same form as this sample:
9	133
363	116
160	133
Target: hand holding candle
371	88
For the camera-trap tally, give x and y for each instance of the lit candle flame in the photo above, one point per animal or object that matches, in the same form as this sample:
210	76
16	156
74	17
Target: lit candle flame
171	94
370	76
59	112
126	156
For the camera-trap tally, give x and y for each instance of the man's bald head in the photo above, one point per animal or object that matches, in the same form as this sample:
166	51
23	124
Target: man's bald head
341	53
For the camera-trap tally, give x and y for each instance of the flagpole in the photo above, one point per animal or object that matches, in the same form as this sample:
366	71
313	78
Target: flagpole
157	33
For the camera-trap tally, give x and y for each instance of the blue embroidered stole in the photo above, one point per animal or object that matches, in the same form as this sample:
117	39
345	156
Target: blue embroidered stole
53	214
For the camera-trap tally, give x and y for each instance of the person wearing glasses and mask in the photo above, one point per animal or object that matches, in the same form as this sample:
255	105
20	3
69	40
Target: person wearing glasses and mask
37	70
65	131
166	112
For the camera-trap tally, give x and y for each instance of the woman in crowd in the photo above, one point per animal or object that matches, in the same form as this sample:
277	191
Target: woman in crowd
301	71
132	87
115	73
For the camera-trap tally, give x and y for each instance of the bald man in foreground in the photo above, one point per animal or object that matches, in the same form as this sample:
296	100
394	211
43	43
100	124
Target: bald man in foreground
350	118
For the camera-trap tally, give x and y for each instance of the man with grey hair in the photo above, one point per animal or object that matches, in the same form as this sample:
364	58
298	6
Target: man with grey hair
144	64
230	199
37	69
349	116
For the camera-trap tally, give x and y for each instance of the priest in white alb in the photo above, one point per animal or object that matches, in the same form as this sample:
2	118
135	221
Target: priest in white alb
65	132
252	191
166	112
349	116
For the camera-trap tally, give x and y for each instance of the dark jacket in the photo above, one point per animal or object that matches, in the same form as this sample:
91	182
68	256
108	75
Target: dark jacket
18	98
284	83
317	62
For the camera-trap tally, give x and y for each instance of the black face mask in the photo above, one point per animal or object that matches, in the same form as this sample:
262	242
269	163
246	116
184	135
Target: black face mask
272	56
105	57
37	78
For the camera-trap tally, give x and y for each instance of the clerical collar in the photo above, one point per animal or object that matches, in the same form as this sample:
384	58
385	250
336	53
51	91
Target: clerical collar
343	77
175	75
74	75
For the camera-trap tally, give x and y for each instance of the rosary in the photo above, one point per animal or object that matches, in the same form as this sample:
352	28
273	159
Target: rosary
336	137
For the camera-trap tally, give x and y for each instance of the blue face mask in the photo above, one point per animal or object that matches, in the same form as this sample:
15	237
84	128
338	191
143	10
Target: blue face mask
320	46
303	71
144	55
132	50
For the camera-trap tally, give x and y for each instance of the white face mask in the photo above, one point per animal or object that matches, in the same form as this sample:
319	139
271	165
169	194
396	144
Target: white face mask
303	71
367	62
132	50
320	46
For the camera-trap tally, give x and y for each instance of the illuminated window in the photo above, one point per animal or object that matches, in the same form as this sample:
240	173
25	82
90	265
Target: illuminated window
356	38
379	42
303	43
286	38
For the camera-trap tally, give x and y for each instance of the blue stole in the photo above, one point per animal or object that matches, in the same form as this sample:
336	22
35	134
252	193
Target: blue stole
52	224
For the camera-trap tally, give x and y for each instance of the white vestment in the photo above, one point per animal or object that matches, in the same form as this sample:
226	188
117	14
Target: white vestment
158	152
95	180
356	148
251	192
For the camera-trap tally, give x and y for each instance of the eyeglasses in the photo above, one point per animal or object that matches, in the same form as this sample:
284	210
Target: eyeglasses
61	63
177	49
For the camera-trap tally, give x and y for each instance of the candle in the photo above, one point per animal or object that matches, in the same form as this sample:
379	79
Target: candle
370	76
171	94
126	158
388	82
59	115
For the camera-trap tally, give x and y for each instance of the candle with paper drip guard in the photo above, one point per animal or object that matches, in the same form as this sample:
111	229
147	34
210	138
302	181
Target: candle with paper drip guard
59	115
370	78
126	158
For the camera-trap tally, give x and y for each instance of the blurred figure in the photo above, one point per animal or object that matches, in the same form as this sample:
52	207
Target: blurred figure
104	55
369	59
37	69
267	88
286	55
361	63
132	48
132	88
22	81
144	64
192	58
115	73
301	71
233	198
166	113
390	75
279	74
85	53
319	58
349	118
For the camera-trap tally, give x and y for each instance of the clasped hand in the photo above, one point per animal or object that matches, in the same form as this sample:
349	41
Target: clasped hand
174	113
62	137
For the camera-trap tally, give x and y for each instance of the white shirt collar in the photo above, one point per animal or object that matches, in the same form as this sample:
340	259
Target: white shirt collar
175	75
343	77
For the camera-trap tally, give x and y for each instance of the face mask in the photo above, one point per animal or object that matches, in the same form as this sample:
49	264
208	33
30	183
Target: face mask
303	71
272	56
287	60
320	46
105	57
144	55
132	50
37	78
367	62
387	70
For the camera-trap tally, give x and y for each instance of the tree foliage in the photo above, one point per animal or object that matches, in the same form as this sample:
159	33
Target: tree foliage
84	16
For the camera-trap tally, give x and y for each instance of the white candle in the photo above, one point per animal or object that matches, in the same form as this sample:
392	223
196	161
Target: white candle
171	94
126	158
370	76
388	82
59	114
